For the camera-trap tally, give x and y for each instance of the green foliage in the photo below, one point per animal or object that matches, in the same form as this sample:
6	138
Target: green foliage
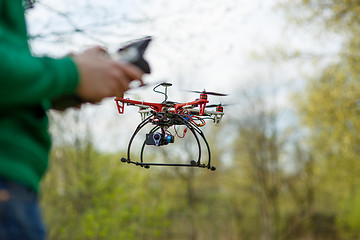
91	196
330	110
335	15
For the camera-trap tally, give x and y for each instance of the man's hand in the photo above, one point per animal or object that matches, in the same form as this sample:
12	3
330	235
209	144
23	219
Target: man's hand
102	77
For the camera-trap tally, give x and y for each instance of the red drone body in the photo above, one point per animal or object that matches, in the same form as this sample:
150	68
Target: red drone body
158	107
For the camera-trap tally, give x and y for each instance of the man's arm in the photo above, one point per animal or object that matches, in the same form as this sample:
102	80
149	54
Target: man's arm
27	80
91	75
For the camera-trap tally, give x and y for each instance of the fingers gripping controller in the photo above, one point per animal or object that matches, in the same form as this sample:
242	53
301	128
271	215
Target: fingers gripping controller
131	53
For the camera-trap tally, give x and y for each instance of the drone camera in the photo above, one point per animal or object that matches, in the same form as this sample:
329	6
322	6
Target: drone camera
157	139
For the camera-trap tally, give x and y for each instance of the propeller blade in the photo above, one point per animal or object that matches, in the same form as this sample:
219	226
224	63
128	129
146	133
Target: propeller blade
217	105
209	93
211	105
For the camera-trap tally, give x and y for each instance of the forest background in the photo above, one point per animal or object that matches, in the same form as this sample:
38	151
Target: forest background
286	152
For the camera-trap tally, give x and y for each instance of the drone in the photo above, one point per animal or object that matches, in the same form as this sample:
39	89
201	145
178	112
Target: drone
168	114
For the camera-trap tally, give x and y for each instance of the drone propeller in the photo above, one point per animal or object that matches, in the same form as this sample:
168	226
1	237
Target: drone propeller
208	93
217	105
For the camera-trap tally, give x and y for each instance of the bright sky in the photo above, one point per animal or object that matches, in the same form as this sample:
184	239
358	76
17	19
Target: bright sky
197	44
203	44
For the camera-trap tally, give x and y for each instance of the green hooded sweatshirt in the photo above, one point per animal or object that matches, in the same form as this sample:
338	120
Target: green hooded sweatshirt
28	84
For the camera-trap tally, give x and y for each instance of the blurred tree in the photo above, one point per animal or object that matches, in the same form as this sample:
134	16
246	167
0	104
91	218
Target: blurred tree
340	15
259	149
329	108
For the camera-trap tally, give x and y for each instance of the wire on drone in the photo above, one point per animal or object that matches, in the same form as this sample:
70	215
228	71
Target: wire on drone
202	121
177	134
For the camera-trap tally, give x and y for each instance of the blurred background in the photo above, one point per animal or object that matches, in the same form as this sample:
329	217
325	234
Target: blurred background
286	151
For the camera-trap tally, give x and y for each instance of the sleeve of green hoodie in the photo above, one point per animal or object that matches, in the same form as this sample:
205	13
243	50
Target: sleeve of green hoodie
25	79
